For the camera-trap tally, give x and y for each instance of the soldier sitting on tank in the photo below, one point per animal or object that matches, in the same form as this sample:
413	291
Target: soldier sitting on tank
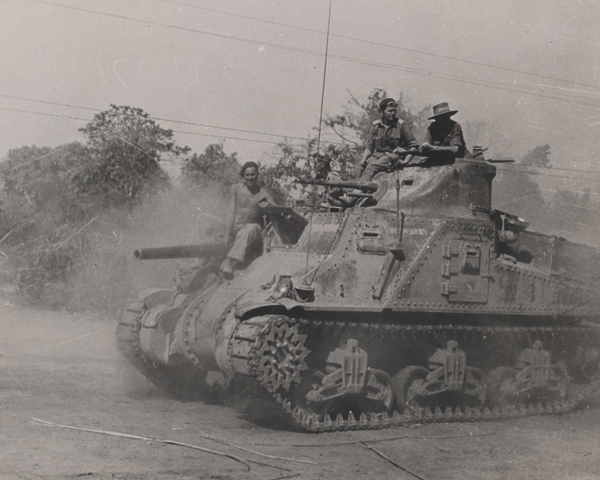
319	194
245	223
444	136
389	137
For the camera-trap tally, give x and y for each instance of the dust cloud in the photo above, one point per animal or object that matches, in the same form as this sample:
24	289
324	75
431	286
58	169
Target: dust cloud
110	275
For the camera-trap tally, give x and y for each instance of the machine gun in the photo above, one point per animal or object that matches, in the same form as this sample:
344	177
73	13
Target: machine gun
366	187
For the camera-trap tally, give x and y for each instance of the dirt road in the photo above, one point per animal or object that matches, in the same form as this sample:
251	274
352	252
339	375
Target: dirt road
65	369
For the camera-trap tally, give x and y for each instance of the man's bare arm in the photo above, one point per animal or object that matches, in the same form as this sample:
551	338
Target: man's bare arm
231	213
269	198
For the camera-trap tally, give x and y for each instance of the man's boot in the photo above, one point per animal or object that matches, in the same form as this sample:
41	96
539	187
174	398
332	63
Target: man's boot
228	266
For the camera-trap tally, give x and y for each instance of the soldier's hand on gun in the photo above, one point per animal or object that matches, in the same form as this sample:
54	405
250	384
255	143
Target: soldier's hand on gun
425	147
264	203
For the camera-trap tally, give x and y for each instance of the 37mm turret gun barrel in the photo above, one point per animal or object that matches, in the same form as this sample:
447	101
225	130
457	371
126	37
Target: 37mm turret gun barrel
367	187
182	251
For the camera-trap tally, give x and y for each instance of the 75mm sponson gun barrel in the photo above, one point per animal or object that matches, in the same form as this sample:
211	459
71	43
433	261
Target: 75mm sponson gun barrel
182	251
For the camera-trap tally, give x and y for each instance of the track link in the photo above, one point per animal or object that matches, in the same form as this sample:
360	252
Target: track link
248	355
186	383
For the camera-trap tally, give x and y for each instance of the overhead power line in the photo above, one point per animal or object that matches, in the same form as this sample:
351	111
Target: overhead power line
565	98
163	119
88	120
45	114
517	168
13	97
228	138
462	79
380	44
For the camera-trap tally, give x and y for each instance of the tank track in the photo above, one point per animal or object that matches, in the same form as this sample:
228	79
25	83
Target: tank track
251	336
128	339
165	378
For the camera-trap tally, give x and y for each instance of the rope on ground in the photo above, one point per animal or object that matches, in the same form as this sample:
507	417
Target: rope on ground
274	457
397	465
7	235
287	476
355	442
244	461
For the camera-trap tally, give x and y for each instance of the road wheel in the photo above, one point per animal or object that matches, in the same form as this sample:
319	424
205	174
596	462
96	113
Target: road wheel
497	383
381	384
312	380
405	385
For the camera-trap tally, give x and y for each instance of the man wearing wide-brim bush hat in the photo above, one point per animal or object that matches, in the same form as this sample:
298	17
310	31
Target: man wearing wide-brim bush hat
445	135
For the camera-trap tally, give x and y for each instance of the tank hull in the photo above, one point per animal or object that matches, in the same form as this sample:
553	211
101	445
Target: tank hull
426	306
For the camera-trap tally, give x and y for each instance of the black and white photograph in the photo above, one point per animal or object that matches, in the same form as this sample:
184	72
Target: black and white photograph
317	239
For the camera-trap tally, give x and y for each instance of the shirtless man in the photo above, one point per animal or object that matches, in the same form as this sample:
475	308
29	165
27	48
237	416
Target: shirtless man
244	225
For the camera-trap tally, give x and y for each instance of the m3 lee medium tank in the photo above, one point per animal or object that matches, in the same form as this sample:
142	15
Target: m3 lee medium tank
420	303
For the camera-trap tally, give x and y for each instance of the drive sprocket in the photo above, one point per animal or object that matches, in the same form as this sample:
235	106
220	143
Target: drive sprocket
281	355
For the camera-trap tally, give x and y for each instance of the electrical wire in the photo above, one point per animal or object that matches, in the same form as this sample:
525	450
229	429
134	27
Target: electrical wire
44	114
466	80
504	168
380	44
178	131
226	128
427	73
14	97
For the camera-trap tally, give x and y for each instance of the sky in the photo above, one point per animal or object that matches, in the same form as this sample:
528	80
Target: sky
250	72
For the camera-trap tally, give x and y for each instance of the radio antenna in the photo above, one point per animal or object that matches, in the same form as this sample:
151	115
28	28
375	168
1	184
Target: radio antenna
324	76
314	186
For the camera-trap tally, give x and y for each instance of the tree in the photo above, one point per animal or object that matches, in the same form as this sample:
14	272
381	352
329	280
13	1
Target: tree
572	214
354	124
125	147
212	171
342	139
517	192
38	188
41	211
56	203
490	136
538	157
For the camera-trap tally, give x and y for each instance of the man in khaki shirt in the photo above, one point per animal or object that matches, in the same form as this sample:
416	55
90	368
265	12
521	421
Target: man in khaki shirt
389	138
445	136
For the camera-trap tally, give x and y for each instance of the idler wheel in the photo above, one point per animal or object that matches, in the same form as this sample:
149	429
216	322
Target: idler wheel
281	356
406	386
183	382
497	387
